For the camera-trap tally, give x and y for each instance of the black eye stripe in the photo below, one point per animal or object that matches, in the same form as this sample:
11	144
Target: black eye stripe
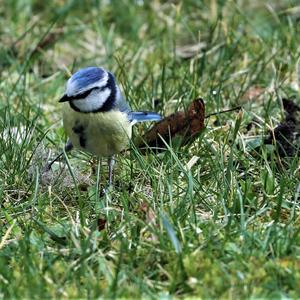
86	93
82	95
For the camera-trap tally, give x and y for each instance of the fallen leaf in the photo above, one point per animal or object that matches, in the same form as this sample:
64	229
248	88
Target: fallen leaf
184	124
101	223
285	136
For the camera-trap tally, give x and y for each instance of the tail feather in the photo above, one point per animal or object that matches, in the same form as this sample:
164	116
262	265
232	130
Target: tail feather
143	116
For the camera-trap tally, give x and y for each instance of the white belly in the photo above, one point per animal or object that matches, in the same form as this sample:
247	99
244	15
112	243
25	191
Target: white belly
102	134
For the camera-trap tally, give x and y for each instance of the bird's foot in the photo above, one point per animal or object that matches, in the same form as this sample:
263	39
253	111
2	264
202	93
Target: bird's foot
106	191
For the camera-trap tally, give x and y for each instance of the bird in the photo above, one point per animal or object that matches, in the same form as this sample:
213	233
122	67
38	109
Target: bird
96	117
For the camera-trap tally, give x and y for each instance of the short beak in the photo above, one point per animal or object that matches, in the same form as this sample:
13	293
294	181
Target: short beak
64	98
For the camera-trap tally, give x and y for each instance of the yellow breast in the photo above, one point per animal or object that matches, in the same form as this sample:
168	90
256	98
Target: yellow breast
102	134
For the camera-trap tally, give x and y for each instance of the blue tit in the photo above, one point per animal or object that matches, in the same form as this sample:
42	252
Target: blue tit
96	117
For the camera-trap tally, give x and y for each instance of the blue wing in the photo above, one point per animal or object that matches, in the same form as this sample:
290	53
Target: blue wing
143	116
134	116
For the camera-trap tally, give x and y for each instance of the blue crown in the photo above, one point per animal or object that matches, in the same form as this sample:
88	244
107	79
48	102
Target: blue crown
87	76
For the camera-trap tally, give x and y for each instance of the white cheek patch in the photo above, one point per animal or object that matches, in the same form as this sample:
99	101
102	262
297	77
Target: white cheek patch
92	102
73	90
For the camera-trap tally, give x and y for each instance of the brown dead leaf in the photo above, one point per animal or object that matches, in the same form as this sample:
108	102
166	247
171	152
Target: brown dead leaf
101	224
286	135
184	124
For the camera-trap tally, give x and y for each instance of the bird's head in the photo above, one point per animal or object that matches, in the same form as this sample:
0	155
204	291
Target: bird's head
91	89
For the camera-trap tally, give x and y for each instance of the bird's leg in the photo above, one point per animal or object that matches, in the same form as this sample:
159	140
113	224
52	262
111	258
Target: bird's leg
68	147
111	163
48	166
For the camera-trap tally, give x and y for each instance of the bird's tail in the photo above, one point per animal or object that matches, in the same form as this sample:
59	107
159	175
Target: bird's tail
143	116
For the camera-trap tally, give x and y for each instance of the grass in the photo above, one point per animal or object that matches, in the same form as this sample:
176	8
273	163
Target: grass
226	227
